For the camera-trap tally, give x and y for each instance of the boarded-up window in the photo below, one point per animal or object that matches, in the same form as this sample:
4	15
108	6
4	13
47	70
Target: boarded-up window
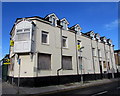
67	62
104	64
44	61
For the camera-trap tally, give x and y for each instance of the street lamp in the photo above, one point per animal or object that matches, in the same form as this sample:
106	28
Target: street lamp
80	50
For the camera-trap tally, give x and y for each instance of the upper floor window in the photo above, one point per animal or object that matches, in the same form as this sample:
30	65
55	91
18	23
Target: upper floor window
99	53
53	21
44	37
52	18
64	25
93	52
64	41
23	34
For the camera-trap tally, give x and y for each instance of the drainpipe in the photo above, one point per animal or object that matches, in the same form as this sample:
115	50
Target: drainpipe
113	55
106	59
111	61
76	53
93	59
98	57
61	56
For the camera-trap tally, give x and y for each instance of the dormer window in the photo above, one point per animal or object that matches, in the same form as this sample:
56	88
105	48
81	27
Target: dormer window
52	18
54	22
92	35
109	41
98	37
64	24
77	28
104	39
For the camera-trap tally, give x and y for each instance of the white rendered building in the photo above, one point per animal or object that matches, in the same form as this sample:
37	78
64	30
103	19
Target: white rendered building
46	51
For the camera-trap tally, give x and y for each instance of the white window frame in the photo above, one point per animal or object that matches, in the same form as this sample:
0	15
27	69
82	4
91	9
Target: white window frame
64	37
46	33
99	53
65	27
94	52
22	32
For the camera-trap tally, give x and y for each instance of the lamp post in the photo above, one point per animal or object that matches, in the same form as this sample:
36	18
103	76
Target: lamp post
80	50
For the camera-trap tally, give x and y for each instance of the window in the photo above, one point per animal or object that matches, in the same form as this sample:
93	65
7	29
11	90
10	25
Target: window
99	53
108	65
93	52
104	64
67	62
64	25
44	61
64	41
23	34
44	37
54	22
19	30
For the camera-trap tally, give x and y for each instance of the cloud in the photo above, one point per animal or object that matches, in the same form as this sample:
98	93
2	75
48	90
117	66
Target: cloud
112	25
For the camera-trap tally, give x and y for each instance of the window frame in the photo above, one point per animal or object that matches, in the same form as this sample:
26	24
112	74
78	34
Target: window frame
64	24
64	37
45	33
50	67
99	53
94	52
65	66
23	32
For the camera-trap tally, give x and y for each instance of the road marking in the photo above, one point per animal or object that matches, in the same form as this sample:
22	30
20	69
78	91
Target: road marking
118	87
100	93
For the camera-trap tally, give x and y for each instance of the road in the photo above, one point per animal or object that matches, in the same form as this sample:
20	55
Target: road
110	89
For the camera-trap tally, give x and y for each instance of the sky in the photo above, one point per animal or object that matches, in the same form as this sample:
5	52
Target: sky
101	17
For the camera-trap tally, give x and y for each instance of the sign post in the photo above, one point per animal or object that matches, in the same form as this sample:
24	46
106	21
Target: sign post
19	61
80	50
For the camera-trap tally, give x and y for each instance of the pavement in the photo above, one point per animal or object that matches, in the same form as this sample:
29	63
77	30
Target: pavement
10	89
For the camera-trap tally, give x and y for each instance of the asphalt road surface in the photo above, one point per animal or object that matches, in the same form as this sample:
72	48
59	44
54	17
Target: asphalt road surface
109	89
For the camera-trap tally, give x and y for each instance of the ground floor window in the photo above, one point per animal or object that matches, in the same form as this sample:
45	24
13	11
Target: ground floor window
44	61
104	64
67	62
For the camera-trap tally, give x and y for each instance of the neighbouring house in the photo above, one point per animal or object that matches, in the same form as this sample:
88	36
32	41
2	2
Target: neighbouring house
4	67
45	51
117	59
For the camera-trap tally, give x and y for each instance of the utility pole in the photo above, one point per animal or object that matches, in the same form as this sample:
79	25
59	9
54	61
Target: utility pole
80	50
